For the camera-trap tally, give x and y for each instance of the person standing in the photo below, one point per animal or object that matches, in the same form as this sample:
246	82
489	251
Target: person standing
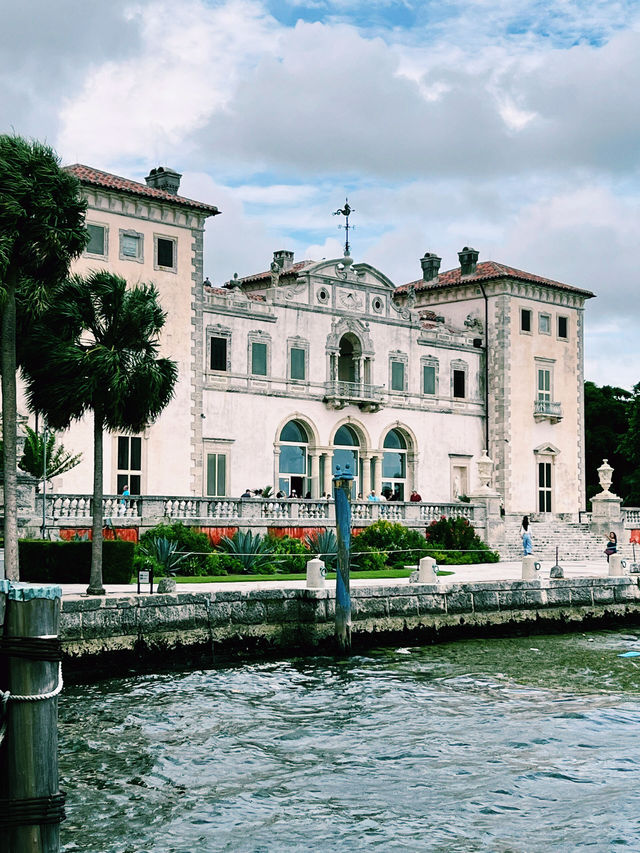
525	533
612	545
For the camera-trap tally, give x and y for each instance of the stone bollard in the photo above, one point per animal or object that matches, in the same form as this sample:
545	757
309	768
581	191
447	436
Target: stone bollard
530	568
315	574
617	566
427	570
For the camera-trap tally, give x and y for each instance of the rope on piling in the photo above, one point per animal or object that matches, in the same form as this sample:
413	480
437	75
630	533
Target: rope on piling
33	811
7	696
32	648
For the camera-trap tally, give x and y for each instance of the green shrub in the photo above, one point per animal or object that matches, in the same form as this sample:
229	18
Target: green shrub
324	543
249	550
369	559
191	542
402	546
289	554
164	552
455	542
42	561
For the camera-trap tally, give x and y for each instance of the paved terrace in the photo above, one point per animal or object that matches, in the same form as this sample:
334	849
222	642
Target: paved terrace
503	571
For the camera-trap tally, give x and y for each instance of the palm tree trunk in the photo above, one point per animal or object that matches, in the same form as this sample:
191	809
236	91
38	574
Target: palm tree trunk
95	580
9	417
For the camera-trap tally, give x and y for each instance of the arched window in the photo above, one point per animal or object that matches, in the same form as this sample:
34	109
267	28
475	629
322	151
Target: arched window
293	477
394	466
346	453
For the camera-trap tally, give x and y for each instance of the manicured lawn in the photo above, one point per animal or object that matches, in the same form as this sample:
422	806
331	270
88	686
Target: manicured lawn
298	576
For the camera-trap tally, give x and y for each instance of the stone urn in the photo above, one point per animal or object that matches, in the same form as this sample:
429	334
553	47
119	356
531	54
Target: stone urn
605	475
485	471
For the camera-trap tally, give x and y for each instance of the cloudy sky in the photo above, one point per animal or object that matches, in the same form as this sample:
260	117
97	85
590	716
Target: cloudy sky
510	126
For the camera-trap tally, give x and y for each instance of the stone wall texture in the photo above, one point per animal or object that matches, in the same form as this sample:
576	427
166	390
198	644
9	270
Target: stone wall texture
158	630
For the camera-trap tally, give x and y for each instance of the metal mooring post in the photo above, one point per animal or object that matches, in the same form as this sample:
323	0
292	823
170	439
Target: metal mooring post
342	482
31	805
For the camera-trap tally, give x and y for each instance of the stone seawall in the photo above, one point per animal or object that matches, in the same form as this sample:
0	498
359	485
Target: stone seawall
111	634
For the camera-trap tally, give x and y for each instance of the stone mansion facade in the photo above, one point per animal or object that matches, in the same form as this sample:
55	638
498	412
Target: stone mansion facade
285	374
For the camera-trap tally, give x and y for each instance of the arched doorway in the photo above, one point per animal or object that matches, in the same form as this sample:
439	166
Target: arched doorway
394	466
346	452
293	471
349	356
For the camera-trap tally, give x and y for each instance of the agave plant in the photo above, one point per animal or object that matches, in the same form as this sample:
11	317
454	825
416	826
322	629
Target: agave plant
165	552
325	544
249	549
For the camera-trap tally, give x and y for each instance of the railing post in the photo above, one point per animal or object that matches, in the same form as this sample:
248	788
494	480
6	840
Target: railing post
32	806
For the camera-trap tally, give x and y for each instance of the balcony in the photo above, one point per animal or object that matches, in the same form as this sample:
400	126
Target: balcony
547	410
338	394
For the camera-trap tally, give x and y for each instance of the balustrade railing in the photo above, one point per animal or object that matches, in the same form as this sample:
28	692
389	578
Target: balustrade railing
631	516
148	509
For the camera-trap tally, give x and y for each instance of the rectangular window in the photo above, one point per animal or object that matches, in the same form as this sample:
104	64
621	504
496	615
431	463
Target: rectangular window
298	365
544	487
544	324
563	327
258	359
525	320
97	244
459	384
165	253
218	354
216	474
131	246
129	463
544	385
429	379
397	376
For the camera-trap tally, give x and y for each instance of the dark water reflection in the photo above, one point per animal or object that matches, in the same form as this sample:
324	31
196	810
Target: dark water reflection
527	744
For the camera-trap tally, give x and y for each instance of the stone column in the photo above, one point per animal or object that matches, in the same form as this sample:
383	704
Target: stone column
365	486
377	475
325	461
276	469
315	480
488	500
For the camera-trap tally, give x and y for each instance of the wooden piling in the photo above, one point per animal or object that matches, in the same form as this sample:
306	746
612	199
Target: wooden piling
342	483
29	784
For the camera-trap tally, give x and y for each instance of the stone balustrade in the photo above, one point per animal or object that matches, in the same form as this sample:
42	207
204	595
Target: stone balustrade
256	513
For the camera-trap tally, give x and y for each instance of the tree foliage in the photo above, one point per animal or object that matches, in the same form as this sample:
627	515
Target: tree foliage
41	231
44	457
101	340
607	411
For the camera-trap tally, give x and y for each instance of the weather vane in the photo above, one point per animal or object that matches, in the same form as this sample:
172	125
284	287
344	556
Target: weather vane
346	211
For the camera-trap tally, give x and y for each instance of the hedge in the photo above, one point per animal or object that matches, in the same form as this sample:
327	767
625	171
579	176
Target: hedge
42	561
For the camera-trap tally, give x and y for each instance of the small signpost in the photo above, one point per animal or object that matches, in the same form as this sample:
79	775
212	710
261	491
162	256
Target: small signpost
145	576
342	482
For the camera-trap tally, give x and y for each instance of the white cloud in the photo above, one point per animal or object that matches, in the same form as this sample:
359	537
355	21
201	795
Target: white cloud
187	68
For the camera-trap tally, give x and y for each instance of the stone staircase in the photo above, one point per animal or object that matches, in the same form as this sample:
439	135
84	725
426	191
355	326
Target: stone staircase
575	541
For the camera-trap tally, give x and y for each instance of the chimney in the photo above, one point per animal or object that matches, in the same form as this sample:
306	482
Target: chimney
430	266
468	260
284	259
165	179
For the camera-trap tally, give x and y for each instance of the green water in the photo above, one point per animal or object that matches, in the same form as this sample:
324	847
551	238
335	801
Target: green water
526	744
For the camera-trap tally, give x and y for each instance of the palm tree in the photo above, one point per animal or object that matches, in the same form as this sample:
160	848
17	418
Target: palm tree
41	231
101	342
44	458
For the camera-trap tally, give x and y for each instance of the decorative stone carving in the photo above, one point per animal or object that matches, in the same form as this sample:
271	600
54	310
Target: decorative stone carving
605	475
350	300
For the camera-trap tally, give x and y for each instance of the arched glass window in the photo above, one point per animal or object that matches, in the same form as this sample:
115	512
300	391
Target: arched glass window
346	444
394	466
293	477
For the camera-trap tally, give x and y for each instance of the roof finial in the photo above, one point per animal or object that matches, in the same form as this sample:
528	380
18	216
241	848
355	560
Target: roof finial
346	211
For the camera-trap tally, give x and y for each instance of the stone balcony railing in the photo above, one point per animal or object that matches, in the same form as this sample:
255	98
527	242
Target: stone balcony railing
229	511
338	394
546	409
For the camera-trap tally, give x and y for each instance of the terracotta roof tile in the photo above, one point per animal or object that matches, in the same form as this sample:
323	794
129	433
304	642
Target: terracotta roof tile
485	271
294	269
96	178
